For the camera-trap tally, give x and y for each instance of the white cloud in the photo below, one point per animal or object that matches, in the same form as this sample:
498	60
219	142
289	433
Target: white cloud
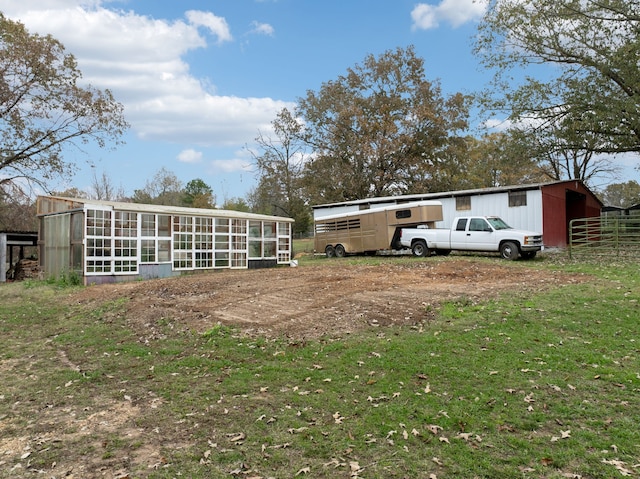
262	28
229	166
204	120
455	12
217	25
424	17
190	156
141	60
497	124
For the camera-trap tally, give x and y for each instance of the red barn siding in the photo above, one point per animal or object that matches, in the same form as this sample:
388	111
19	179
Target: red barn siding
561	203
553	218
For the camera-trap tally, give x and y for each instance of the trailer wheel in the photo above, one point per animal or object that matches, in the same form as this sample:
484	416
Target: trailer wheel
330	251
419	248
340	251
509	250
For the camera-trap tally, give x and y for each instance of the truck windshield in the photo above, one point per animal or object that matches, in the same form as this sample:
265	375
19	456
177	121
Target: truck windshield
498	223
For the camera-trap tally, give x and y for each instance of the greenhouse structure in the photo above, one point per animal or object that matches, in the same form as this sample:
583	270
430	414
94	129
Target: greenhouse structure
107	242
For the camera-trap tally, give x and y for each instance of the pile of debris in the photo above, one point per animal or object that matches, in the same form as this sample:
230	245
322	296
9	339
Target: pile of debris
24	269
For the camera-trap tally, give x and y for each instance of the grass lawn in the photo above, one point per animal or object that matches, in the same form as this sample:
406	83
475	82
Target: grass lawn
303	246
542	386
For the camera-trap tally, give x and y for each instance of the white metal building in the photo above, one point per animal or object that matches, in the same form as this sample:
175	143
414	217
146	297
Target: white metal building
544	207
105	241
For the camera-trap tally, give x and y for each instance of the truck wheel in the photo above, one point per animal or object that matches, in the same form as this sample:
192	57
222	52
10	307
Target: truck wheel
419	248
330	251
509	250
340	251
528	254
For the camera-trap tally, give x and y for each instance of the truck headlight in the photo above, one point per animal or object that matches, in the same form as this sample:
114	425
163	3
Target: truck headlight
532	240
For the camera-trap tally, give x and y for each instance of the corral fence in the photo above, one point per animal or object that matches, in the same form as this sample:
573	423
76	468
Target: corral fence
605	237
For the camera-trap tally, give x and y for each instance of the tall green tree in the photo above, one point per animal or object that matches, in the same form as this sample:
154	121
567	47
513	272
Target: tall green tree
71	192
102	188
198	194
496	159
43	109
165	188
560	159
380	129
280	160
17	208
586	96
501	159
236	204
622	194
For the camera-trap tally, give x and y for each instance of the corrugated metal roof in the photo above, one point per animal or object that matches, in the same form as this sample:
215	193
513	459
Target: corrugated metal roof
447	194
386	208
20	238
620	208
169	210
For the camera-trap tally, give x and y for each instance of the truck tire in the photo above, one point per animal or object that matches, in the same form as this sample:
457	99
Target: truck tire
509	250
340	251
330	251
419	248
528	254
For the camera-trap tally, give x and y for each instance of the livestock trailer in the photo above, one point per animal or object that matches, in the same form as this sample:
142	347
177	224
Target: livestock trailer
374	230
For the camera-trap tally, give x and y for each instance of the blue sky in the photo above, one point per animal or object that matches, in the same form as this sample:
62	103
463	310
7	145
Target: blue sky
200	79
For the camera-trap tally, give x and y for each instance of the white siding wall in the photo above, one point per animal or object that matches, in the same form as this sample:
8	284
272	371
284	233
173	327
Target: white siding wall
527	217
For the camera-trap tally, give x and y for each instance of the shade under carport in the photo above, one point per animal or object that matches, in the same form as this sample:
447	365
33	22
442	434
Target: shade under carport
9	239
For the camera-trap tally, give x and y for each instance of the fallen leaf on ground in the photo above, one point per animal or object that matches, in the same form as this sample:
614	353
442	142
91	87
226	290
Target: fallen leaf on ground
619	465
237	437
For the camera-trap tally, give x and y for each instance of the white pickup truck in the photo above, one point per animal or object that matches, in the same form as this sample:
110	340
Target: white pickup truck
473	233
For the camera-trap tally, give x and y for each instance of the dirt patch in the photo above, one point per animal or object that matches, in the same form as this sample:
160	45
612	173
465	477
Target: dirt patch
330	298
108	437
57	427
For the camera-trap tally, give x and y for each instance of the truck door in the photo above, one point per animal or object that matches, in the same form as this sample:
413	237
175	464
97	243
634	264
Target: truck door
458	235
480	235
